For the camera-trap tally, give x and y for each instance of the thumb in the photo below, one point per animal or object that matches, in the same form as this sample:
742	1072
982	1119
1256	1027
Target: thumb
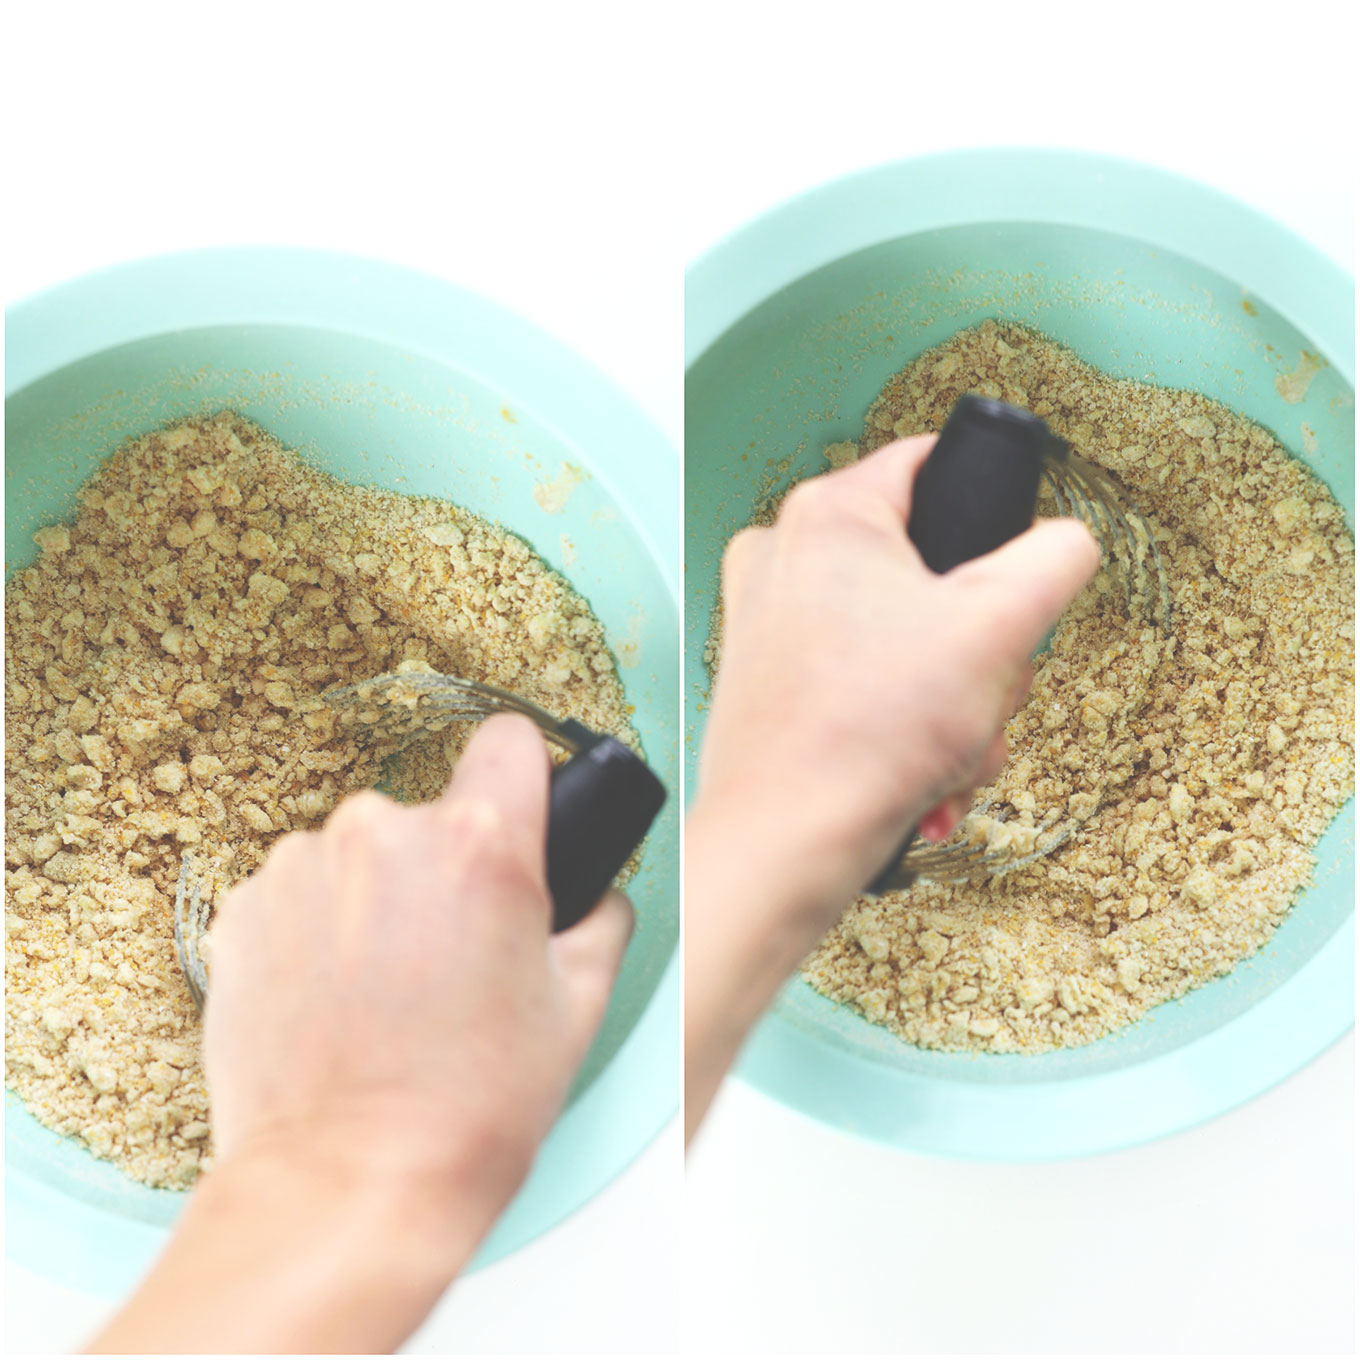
588	959
1036	575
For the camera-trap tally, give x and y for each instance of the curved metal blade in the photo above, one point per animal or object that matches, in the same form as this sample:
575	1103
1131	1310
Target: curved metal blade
404	706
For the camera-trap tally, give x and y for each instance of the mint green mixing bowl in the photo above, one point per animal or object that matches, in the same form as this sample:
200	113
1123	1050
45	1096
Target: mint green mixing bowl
387	377
792	327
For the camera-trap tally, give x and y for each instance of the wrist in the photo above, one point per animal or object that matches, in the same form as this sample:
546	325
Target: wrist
374	1230
796	867
435	1205
329	1256
756	902
753	910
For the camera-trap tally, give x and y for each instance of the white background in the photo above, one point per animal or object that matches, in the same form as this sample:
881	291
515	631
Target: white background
569	164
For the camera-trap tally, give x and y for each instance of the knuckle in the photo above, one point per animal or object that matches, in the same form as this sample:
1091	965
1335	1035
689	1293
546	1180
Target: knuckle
817	503
481	850
502	729
291	846
517	722
233	915
739	549
365	823
468	819
364	808
283	856
807	501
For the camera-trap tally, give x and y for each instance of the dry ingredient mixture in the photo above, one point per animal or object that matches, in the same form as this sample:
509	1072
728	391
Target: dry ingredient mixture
1212	761
164	659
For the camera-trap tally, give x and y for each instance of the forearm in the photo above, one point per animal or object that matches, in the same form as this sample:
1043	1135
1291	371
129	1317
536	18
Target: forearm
756	902
288	1254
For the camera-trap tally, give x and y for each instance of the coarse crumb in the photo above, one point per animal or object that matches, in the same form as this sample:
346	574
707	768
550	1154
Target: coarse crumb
1212	763
164	659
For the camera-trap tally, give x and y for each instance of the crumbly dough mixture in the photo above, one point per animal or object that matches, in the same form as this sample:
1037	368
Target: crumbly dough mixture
164	659
1214	760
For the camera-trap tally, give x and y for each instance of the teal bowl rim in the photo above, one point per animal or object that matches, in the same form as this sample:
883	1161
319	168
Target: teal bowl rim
637	1094
1315	1007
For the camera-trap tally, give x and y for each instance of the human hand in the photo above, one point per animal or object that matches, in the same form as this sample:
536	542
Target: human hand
390	1033
386	992
860	693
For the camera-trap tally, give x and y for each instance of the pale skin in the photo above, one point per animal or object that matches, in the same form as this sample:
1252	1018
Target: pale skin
392	1029
391	1032
859	695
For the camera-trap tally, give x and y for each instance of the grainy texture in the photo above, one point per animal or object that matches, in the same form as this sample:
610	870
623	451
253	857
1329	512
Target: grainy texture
1214	761
164	660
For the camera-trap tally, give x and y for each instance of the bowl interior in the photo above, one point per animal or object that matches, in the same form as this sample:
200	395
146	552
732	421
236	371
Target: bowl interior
376	414
798	372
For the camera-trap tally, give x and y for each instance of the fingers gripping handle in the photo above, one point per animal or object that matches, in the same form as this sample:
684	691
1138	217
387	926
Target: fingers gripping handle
976	491
601	803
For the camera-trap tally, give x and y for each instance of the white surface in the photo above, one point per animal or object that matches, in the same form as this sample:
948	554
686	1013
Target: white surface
596	1283
1237	1237
443	139
1256	105
462	143
568	165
